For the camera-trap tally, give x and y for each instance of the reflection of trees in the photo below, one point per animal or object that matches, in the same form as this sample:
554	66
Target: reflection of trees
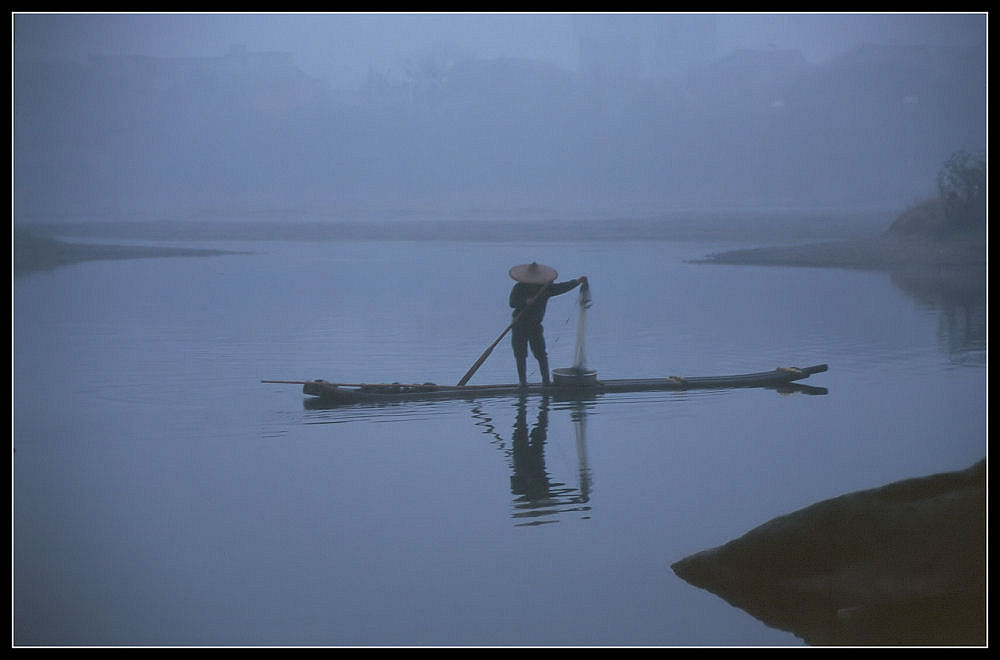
960	298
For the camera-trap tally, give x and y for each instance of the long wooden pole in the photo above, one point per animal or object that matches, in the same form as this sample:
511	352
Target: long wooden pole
489	349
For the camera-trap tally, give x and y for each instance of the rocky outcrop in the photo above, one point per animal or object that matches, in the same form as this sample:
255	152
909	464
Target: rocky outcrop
904	564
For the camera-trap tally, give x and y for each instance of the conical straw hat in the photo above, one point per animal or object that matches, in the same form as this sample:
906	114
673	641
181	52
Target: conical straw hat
533	273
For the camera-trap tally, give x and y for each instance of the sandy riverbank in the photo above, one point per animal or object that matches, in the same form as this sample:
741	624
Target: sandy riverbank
33	253
880	252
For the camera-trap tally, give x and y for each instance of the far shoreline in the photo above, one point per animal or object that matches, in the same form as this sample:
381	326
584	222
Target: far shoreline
35	253
877	253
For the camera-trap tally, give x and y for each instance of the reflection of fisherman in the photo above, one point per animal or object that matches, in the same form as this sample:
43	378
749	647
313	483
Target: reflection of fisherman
530	478
535	285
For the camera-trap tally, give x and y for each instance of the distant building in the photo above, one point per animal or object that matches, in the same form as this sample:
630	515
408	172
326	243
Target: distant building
644	46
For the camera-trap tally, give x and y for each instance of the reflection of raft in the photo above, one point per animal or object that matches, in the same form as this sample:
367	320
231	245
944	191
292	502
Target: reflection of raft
904	564
586	387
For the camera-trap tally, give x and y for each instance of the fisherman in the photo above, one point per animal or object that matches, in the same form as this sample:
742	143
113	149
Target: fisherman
535	284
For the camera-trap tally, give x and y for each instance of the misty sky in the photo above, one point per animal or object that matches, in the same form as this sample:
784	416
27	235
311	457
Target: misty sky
340	48
581	111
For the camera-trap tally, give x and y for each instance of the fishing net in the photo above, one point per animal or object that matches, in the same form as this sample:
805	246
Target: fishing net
584	303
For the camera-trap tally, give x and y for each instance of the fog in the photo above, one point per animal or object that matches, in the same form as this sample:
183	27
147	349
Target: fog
326	115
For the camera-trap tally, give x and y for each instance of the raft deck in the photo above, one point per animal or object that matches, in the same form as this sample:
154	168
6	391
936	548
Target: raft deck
333	393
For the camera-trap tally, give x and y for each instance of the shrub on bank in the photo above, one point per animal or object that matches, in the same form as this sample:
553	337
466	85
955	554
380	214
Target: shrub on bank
958	210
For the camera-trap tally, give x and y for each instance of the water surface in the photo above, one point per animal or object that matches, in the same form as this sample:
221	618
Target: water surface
164	496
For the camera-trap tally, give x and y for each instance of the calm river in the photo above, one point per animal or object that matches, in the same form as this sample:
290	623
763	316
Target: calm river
163	495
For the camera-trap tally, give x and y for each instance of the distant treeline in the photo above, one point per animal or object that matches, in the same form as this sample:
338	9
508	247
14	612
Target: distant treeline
754	129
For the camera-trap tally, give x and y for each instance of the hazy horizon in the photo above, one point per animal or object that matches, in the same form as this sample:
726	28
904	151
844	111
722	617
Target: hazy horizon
132	114
340	48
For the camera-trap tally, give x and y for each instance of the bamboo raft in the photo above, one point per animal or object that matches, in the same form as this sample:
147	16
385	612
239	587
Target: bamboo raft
337	393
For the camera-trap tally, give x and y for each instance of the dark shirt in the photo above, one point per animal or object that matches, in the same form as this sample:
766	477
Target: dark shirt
533	314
